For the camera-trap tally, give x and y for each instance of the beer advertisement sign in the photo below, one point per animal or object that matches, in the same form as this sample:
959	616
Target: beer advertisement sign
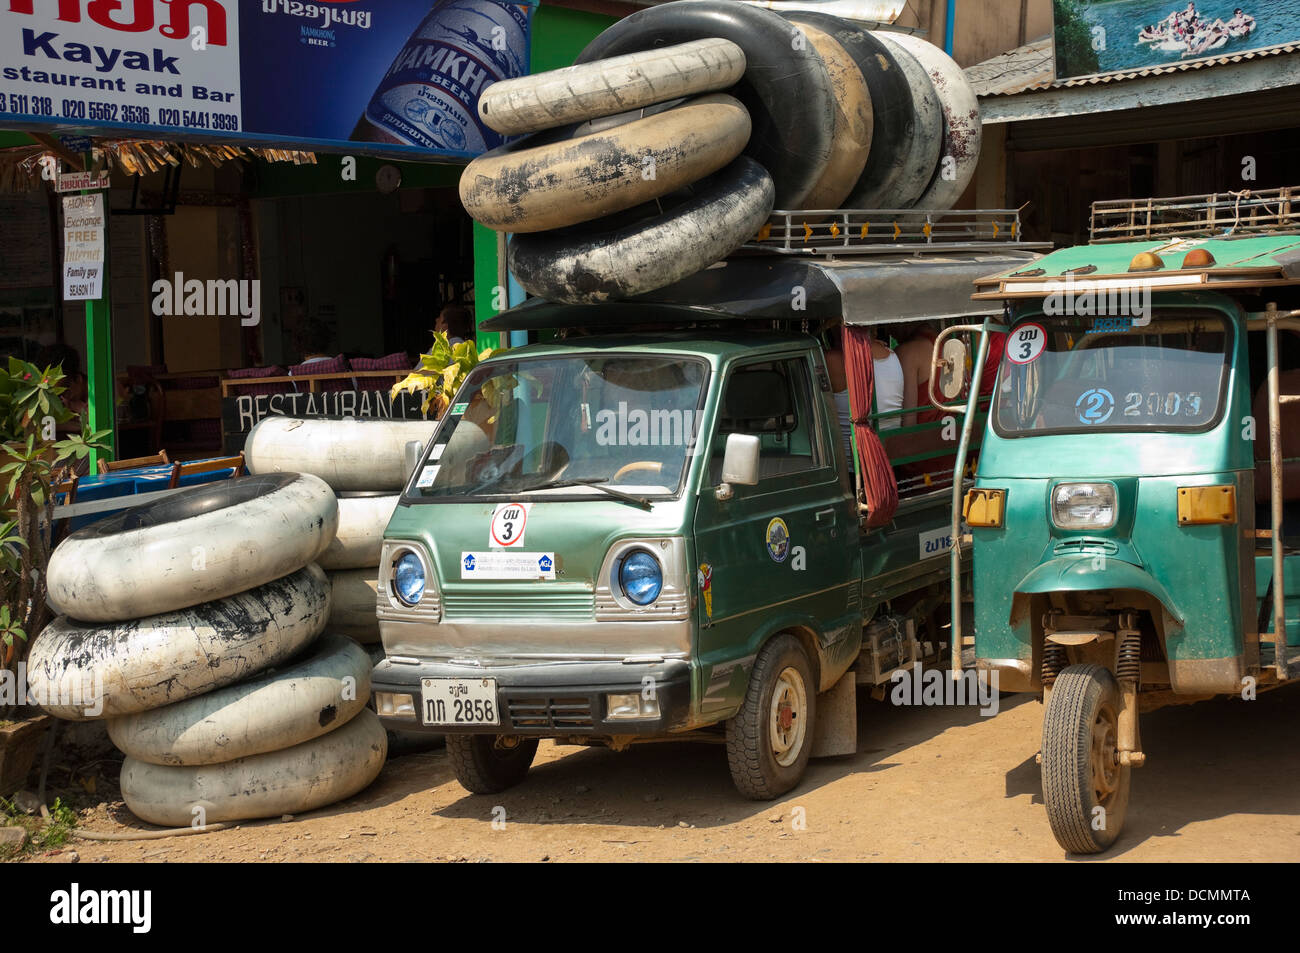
390	77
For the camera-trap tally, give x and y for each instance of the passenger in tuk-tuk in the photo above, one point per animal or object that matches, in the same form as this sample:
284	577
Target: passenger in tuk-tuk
889	392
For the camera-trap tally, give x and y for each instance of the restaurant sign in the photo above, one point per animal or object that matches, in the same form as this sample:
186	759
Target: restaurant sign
240	414
392	77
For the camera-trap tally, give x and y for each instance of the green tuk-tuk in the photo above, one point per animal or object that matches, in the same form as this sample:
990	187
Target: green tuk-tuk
1137	495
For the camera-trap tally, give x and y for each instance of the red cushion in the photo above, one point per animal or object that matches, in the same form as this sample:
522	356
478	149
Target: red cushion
274	370
333	365
400	361
253	390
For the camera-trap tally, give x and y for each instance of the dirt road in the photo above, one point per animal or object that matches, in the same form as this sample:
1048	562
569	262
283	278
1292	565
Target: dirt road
1222	782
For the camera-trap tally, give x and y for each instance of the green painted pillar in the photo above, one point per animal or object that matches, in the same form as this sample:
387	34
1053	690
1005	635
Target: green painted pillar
100	389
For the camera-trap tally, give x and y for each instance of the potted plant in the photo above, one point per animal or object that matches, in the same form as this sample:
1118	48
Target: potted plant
33	459
441	372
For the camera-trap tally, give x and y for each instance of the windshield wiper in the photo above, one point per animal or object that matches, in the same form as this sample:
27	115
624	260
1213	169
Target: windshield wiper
597	483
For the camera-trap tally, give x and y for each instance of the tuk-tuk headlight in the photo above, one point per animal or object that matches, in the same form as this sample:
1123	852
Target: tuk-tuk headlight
1084	505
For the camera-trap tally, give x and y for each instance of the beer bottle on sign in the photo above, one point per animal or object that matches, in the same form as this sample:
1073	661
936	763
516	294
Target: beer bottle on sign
429	96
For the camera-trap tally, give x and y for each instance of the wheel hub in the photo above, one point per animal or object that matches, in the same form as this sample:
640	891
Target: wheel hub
787	725
1105	755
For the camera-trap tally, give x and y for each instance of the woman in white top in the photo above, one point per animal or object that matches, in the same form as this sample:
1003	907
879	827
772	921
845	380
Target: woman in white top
888	386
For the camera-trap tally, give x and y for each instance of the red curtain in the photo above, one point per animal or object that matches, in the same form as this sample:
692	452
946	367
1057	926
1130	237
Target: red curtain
878	483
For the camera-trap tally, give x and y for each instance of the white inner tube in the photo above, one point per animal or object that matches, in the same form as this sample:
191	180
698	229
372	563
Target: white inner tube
349	454
963	128
360	536
612	85
353	604
922	151
291	781
532	188
206	543
83	672
277	710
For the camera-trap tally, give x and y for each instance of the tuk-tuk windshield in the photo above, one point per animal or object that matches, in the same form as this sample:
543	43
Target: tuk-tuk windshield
1072	375
566	426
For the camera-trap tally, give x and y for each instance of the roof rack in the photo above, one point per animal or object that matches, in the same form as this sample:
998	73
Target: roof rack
1195	216
888	231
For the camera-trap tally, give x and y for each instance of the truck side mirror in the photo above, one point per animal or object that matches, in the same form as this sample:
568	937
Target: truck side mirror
740	461
951	366
411	452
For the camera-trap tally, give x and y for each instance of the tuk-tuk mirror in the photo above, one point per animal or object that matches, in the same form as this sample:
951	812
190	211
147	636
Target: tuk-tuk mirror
411	453
740	461
952	368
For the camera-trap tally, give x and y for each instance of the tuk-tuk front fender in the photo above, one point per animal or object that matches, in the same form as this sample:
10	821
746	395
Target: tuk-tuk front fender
1082	572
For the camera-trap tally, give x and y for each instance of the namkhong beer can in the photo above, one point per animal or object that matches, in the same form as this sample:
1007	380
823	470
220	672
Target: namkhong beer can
429	96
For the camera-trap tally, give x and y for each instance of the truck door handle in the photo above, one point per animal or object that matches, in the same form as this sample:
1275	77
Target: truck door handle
822	515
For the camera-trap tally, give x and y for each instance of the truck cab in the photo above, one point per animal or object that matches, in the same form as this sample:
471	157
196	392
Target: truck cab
651	527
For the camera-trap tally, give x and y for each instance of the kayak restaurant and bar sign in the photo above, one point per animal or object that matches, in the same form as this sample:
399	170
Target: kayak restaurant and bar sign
393	77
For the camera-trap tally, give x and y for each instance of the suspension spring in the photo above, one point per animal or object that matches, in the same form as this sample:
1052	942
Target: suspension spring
1054	660
1129	662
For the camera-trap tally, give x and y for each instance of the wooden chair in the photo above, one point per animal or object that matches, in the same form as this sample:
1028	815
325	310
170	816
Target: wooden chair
108	466
235	463
68	490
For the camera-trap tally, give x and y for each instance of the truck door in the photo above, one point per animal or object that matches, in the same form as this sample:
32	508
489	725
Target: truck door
781	552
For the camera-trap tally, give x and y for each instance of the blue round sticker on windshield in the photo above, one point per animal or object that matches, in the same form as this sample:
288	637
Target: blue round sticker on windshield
1095	405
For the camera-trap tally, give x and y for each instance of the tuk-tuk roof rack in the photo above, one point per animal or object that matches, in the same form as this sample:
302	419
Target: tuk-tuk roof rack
824	232
1268	211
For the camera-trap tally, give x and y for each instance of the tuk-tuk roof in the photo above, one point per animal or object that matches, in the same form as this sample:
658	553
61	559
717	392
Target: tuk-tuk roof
876	289
1246	261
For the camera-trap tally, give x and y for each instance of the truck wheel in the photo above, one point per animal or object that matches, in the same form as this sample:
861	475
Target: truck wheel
770	738
1085	787
486	764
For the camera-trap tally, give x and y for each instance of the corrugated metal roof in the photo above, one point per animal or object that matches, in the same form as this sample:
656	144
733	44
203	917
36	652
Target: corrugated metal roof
1031	68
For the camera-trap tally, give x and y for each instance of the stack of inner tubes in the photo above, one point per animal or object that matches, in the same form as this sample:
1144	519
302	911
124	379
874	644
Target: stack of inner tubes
193	624
684	125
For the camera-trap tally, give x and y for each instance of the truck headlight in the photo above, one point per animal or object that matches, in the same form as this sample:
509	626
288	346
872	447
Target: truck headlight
641	577
408	579
1084	505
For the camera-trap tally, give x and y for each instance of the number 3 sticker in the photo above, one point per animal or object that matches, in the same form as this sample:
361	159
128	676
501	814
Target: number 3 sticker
508	522
1026	343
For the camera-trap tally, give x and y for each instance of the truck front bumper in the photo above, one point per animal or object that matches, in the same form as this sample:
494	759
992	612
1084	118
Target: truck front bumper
551	699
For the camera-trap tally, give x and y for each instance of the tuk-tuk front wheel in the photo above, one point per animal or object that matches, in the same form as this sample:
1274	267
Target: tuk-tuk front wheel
770	738
487	764
1085	787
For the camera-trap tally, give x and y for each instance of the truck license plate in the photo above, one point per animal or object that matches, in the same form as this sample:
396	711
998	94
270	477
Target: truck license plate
459	701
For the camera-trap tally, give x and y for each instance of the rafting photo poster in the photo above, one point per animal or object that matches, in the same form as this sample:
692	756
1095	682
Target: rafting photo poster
1108	35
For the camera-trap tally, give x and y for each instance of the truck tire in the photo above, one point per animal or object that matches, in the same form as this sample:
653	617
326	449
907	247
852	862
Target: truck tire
1085	788
963	127
881	184
786	90
290	781
162	659
308	697
925	144
534	186
205	543
611	260
484	764
853	123
351	453
360	536
770	739
608	86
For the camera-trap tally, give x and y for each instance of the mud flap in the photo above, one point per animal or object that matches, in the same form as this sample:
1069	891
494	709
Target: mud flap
836	730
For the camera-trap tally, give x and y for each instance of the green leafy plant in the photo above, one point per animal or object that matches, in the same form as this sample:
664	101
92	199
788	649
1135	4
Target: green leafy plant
43	834
33	460
441	372
1075	54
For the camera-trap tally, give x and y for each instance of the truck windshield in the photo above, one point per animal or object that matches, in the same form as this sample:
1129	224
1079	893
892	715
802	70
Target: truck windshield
568	426
1075	375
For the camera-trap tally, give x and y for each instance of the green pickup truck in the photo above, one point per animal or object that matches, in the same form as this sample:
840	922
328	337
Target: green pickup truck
649	527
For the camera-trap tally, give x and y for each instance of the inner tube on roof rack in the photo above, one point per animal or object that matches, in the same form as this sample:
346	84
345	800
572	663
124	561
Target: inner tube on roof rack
925	145
963	128
853	123
786	87
309	697
892	115
612	259
291	781
161	659
608	86
203	543
533	186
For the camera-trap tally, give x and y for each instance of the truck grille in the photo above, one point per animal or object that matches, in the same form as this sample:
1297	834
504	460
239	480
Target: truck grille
520	607
543	712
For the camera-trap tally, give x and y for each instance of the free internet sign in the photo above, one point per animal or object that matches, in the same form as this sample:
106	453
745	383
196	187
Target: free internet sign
386	77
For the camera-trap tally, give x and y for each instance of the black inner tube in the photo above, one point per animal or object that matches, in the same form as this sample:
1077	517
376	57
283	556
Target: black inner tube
893	113
787	91
181	506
